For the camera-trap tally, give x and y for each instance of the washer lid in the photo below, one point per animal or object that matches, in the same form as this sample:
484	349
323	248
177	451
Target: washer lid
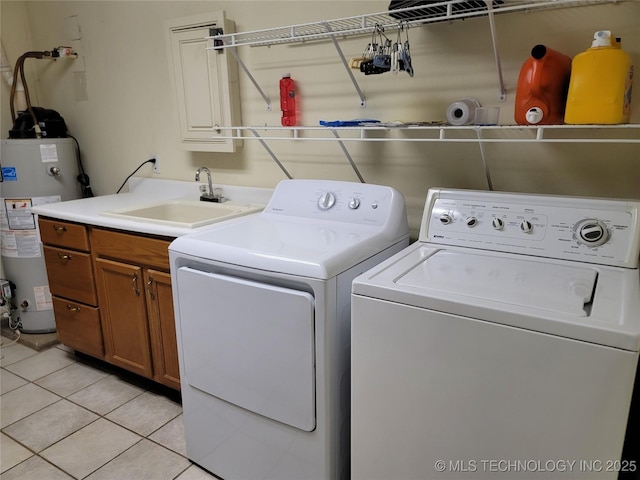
528	283
592	303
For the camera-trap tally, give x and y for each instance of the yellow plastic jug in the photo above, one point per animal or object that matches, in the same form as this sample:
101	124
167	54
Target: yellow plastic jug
600	84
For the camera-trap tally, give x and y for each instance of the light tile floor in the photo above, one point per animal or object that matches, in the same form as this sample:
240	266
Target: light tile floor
66	416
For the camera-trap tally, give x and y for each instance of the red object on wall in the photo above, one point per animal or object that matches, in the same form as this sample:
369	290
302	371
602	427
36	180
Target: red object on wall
288	101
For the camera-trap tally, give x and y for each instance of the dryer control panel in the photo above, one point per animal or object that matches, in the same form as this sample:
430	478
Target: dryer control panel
603	231
354	203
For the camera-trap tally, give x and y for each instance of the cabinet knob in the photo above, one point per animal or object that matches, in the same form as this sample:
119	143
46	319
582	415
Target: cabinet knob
72	308
63	256
59	228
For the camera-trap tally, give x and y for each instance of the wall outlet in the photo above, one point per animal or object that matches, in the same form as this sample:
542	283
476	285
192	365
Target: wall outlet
156	166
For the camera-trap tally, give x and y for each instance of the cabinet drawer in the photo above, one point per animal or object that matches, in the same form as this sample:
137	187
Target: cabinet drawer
70	274
147	251
64	234
78	326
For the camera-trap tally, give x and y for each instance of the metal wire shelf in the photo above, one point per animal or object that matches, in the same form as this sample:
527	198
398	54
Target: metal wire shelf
389	20
480	135
366	24
625	133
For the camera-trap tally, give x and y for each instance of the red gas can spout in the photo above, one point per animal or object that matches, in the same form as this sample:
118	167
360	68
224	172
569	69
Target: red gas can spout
538	52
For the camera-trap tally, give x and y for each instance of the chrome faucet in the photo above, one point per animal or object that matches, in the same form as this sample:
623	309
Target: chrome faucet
210	195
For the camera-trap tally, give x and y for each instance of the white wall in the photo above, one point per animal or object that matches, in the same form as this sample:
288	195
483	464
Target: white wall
127	111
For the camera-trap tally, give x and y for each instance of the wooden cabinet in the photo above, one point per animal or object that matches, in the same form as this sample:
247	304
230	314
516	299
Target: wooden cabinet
71	281
112	296
134	293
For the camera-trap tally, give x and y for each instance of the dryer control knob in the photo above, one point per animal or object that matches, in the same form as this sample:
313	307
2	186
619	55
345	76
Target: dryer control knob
446	219
526	226
354	203
471	222
326	201
593	232
497	223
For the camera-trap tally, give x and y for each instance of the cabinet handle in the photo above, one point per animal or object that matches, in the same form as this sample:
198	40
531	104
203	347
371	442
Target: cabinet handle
63	256
59	228
135	284
73	309
150	289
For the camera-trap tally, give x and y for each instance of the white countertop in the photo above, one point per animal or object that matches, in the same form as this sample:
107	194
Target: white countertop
143	191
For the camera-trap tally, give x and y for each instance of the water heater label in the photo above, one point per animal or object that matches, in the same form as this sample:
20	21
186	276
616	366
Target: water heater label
19	216
48	153
42	294
9	174
22	241
18	229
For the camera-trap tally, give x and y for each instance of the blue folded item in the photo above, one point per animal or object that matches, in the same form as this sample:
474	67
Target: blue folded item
349	123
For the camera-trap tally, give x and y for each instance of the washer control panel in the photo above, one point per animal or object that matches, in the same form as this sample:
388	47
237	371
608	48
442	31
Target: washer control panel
593	230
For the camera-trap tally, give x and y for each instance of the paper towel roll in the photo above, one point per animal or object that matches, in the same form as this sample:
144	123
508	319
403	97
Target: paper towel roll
462	112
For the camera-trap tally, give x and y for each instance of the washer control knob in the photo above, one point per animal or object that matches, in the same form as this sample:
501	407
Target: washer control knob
497	223
326	201
354	203
593	232
446	219
471	222
526	226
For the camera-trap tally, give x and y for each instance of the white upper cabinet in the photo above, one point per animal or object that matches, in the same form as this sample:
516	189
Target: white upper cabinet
205	82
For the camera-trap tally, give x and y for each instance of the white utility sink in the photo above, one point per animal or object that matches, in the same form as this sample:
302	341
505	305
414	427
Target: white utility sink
184	213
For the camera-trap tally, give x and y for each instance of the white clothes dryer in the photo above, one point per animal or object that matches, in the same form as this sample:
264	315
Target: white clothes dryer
503	344
262	307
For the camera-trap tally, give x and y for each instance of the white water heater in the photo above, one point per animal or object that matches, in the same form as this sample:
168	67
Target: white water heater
34	172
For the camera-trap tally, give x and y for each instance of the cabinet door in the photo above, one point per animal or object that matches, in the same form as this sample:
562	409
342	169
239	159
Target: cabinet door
124	315
205	83
162	327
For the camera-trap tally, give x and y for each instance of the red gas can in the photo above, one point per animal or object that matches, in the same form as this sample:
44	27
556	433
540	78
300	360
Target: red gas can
543	82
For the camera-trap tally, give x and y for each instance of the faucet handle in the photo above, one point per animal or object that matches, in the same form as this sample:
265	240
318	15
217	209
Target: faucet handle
218	194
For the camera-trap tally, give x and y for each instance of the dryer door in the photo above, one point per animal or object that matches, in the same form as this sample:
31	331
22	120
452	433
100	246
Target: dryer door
250	344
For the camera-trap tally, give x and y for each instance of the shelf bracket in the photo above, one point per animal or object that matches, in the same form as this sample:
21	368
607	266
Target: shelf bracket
502	93
363	101
270	152
248	73
348	155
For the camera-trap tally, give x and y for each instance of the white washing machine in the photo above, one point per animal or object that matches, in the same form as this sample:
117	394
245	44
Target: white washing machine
503	344
262	307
